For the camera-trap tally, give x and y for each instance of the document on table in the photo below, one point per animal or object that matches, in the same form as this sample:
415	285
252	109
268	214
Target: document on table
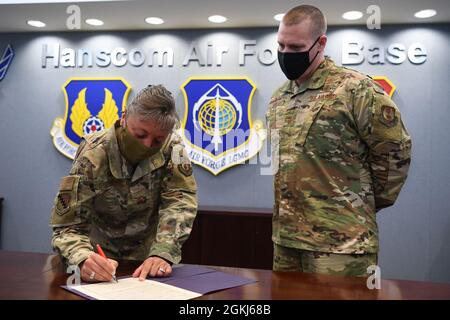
132	289
185	282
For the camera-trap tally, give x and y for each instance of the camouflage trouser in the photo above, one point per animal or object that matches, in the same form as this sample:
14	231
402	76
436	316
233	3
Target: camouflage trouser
290	259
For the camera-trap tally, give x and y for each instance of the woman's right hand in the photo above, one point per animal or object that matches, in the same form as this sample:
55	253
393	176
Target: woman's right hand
96	268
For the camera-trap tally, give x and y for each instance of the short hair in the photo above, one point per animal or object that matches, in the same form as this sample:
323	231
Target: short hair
307	12
157	103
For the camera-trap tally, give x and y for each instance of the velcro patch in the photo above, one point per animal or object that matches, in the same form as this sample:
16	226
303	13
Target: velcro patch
63	203
67	183
388	116
185	169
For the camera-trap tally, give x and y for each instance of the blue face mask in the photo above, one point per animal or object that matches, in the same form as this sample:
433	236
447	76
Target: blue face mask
294	64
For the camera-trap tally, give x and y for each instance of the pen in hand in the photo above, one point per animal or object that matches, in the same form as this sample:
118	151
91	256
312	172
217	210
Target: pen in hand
100	252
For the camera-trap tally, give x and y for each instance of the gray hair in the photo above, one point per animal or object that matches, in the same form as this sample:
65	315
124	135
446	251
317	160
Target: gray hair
155	103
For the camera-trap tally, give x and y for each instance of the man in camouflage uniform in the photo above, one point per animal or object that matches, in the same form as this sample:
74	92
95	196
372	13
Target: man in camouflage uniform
131	190
344	154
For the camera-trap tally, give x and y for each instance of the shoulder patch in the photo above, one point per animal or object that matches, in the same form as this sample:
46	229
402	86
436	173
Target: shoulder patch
64	208
62	203
388	116
67	195
387	124
185	169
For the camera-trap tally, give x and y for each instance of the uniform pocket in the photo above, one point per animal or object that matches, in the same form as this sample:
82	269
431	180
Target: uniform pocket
109	204
305	116
140	196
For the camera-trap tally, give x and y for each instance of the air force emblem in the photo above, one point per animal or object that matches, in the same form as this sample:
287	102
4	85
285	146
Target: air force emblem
217	127
92	104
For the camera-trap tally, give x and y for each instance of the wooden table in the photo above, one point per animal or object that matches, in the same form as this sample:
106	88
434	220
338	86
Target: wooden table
39	276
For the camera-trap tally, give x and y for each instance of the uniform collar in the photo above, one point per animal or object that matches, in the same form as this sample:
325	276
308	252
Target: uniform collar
118	165
316	81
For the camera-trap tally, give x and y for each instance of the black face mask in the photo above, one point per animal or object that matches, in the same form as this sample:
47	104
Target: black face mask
294	64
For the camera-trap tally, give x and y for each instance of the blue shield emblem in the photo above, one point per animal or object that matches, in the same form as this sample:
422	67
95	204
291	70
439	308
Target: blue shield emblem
217	129
92	104
5	61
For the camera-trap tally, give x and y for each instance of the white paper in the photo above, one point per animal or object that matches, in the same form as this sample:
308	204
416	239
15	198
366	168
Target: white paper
133	289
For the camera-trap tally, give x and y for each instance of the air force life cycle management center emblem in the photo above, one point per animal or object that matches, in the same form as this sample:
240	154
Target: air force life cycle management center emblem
92	104
217	128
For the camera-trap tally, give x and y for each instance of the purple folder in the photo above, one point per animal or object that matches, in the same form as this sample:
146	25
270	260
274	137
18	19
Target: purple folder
182	271
202	279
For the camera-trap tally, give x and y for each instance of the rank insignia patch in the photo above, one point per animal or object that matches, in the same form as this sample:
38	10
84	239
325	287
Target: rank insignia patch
63	203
